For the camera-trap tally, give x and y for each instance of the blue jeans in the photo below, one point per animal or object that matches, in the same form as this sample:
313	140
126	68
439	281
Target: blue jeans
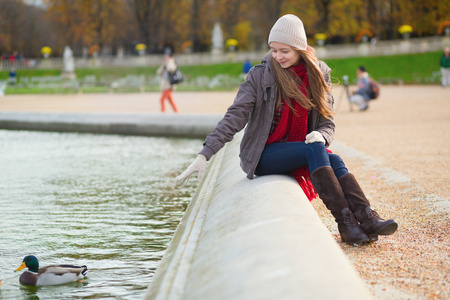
281	158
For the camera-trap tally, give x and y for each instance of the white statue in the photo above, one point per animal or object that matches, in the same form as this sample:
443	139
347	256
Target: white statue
69	64
217	39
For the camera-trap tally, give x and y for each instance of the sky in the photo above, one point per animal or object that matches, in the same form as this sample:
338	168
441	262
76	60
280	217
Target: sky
34	2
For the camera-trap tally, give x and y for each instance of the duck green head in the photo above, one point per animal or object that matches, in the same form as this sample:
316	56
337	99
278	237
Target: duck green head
30	262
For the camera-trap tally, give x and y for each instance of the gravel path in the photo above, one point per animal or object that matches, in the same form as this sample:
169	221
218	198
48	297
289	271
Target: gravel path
398	150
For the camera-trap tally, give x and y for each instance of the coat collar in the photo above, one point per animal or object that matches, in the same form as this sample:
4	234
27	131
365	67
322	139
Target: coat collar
268	77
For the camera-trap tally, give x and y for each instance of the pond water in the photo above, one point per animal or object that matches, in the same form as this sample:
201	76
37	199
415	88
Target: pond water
108	202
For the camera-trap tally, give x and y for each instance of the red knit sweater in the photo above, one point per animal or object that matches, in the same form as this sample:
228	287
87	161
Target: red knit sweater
293	128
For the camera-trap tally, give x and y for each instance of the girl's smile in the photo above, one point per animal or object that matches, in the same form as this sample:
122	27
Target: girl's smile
285	55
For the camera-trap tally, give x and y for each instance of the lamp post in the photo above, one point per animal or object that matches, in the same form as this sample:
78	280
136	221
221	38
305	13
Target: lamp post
46	51
140	48
320	38
405	31
231	44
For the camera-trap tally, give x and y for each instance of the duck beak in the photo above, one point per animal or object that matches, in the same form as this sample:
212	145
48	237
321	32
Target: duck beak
22	266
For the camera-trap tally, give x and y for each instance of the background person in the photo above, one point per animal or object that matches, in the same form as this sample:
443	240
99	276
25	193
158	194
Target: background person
285	103
445	68
12	77
361	96
166	87
246	66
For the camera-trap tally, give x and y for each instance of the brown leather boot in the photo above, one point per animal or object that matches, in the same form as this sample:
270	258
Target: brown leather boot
374	225
329	190
369	219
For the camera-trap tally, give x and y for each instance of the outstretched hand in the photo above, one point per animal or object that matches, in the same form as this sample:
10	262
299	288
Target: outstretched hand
314	137
199	165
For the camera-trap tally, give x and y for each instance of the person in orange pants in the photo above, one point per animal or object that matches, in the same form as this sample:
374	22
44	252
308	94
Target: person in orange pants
167	94
166	87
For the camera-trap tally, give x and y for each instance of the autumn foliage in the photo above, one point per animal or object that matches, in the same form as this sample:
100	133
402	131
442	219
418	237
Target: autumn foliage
186	25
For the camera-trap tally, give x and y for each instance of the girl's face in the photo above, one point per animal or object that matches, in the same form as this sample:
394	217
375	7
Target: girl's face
285	55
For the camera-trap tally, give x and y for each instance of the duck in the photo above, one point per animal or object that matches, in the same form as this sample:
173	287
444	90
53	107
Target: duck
49	275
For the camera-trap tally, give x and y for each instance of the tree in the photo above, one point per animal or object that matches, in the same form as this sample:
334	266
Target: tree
23	28
427	14
85	23
312	14
174	29
148	14
340	23
242	32
229	14
109	24
111	20
202	19
262	14
11	24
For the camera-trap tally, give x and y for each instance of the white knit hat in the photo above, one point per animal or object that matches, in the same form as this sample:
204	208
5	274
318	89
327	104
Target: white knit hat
289	30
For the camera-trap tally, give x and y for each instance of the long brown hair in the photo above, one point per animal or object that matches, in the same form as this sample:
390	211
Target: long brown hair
318	90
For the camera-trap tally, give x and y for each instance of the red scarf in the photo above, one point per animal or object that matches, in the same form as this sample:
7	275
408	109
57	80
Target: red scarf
296	127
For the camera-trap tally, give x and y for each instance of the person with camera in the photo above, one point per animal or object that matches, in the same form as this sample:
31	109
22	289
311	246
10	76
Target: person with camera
361	96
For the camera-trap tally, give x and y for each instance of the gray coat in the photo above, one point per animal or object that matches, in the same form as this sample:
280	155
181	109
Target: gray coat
364	86
254	106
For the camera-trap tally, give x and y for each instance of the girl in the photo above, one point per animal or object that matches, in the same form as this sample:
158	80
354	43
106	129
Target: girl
287	108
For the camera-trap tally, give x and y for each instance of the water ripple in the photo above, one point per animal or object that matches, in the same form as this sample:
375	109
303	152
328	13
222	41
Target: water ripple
105	201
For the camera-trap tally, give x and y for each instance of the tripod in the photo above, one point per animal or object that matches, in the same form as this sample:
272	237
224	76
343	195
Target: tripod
347	92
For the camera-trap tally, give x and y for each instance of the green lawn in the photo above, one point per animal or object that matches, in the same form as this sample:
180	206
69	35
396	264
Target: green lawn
410	68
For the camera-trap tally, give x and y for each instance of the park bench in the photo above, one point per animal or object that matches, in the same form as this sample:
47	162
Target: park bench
129	82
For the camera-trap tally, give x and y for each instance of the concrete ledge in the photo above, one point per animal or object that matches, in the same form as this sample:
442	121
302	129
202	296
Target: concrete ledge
173	125
252	239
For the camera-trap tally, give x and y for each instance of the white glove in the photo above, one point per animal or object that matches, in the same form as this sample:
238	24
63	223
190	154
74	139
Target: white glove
199	165
314	137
